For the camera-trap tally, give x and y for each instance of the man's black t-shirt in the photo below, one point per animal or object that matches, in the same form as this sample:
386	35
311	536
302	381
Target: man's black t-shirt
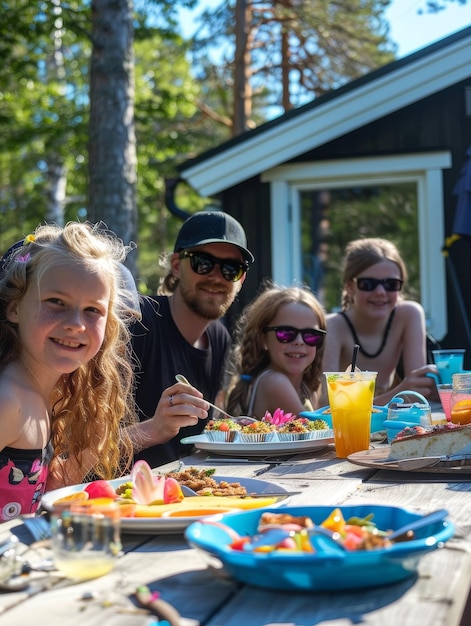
161	352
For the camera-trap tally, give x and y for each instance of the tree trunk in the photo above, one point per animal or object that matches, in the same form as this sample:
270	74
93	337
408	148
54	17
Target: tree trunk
56	169
242	62
285	71
112	150
57	185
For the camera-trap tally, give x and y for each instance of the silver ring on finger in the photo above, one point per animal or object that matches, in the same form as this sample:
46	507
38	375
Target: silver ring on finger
171	400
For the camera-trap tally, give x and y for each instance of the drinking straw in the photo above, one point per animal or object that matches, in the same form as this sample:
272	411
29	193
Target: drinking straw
356	347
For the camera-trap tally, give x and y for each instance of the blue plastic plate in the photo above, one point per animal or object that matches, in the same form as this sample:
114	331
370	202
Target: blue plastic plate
378	416
320	571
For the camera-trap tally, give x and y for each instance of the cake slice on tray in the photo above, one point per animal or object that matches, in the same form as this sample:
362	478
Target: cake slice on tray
440	440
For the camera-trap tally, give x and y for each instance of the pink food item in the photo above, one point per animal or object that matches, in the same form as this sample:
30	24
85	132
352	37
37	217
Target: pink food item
100	489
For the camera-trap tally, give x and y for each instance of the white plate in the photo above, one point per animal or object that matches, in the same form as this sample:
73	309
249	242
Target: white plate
161	525
260	449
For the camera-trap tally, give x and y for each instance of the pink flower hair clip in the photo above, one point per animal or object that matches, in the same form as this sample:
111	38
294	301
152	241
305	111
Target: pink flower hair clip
23	259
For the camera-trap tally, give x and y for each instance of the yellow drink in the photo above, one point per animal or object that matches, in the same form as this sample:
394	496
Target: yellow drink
351	401
86	539
84	566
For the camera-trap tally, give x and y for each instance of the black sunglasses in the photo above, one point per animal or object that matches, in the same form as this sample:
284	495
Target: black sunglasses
285	334
370	284
203	263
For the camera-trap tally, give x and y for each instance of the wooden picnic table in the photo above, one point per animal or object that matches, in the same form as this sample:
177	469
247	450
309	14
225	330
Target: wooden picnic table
205	597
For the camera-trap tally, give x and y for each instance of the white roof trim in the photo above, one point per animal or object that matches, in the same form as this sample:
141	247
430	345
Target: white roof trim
338	169
340	115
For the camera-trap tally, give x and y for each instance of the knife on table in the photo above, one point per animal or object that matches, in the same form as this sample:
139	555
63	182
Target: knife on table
428	461
270	494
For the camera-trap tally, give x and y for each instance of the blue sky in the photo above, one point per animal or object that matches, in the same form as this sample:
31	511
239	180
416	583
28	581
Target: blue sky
408	30
412	32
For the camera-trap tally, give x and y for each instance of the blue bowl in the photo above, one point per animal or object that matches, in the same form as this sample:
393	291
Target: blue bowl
326	571
378	416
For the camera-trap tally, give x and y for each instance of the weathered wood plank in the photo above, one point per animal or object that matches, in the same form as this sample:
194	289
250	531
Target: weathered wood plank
205	597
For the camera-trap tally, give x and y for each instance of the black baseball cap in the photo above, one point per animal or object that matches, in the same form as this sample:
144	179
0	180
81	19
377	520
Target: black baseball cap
212	227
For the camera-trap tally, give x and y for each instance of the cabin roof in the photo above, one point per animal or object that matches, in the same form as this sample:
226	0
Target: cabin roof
341	111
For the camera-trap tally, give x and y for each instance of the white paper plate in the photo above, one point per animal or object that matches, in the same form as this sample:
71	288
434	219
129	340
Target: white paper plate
159	525
260	449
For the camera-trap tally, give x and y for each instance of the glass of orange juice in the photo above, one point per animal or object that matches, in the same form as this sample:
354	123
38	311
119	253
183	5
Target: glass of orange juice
461	399
86	538
351	402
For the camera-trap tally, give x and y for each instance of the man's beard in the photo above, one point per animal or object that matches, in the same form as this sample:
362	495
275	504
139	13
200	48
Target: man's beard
206	310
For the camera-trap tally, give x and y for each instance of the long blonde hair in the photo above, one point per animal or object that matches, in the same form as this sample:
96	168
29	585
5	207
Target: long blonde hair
92	404
249	356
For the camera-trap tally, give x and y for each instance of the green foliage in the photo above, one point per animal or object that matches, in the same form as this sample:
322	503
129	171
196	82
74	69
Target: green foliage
183	102
43	109
46	120
165	107
327	43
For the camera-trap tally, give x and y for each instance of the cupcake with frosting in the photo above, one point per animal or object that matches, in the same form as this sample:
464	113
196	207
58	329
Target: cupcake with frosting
256	432
316	425
300	428
221	430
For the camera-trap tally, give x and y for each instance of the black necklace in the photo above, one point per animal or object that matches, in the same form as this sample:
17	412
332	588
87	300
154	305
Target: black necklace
355	336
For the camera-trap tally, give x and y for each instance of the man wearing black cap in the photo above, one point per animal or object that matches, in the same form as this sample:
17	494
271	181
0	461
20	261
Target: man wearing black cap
180	332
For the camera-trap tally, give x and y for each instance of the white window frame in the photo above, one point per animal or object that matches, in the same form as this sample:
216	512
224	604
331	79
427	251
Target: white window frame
425	170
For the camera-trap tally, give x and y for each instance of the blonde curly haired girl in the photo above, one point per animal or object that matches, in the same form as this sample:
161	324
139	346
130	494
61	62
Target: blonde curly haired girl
65	369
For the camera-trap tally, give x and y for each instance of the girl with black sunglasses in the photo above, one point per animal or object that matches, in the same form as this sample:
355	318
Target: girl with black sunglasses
278	353
389	329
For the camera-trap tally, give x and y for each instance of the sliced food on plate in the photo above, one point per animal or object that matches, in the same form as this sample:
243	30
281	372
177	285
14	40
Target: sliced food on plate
147	495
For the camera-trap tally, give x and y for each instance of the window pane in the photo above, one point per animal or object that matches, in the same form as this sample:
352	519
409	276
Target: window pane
331	218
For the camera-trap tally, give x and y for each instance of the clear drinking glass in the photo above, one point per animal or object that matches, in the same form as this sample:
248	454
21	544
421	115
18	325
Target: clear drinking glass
460	404
86	539
351	402
444	391
448	362
10	562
